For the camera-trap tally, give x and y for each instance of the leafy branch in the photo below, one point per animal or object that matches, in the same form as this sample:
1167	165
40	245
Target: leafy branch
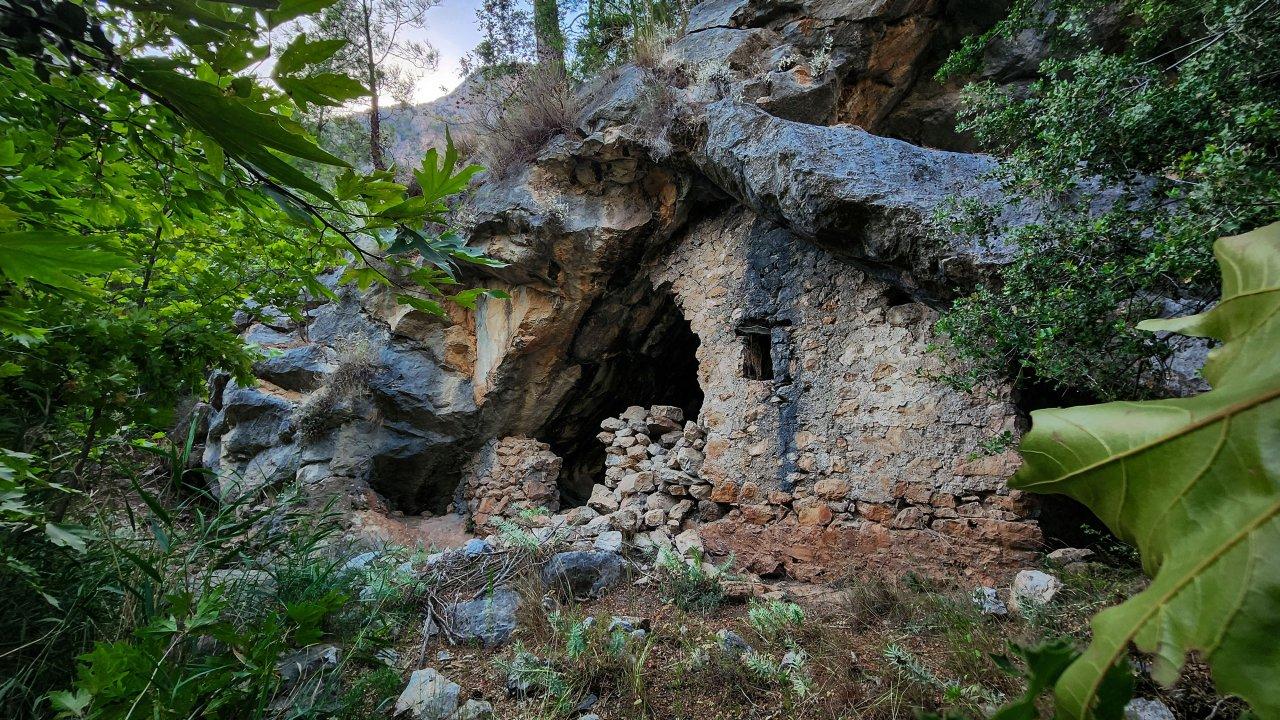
1194	484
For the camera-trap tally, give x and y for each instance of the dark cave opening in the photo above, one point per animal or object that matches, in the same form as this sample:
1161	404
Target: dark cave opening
1066	522
650	360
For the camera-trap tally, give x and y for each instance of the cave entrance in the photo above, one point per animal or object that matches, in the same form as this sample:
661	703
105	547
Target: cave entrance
634	349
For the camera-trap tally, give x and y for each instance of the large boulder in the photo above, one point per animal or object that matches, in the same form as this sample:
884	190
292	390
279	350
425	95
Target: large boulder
489	620
864	197
582	573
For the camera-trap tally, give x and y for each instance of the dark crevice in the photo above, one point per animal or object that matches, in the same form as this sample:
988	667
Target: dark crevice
895	296
652	360
1068	523
1032	393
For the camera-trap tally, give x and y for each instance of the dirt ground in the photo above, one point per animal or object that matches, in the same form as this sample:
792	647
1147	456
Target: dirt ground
884	648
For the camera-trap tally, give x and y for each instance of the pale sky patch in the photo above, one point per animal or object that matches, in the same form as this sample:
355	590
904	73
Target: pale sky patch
451	29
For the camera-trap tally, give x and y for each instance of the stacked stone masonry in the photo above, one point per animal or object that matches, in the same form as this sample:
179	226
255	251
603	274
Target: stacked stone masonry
651	480
509	477
855	451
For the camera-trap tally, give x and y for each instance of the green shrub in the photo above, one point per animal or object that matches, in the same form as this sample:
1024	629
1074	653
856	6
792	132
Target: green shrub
615	32
1206	465
1172	113
186	611
774	617
693	585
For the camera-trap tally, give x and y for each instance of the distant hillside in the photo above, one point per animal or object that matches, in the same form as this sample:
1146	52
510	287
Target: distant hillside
413	129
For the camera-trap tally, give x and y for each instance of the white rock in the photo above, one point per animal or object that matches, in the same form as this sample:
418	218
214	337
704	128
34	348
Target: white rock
626	520
1033	587
600	523
659	501
602	500
609	541
688	540
428	696
989	602
660	538
1143	709
678	511
655	517
474	709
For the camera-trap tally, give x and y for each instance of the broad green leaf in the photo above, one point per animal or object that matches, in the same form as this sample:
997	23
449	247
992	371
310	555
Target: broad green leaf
8	158
52	258
291	9
63	535
427	306
1044	665
73	703
467	298
302	52
1194	484
436	176
328	89
260	4
243	131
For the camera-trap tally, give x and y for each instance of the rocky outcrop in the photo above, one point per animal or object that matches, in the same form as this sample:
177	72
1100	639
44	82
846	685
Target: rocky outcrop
862	197
735	286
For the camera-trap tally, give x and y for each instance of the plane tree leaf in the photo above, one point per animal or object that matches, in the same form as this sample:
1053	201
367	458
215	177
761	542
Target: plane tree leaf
1194	484
302	52
52	258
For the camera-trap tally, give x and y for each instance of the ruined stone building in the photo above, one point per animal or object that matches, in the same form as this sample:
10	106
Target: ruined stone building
723	286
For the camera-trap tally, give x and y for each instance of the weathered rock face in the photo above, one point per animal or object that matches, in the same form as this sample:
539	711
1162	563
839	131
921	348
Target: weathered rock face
729	279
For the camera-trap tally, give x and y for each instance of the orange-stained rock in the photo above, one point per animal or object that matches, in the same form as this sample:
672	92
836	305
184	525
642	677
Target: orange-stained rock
725	492
812	512
832	488
757	514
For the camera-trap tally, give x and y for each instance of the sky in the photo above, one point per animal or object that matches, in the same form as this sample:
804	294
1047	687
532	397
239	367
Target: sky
451	29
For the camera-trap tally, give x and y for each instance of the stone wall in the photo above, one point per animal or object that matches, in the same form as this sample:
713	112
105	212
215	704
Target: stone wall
854	452
508	476
652	482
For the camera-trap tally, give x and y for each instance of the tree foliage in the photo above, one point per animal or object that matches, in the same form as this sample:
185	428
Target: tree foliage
1194	484
154	182
372	40
1171	105
610	30
146	196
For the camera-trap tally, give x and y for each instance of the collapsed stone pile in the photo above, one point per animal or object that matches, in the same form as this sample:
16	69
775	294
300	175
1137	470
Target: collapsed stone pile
508	476
652	492
652	466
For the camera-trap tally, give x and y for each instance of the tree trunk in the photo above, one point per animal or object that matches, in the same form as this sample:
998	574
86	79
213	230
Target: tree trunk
546	31
371	77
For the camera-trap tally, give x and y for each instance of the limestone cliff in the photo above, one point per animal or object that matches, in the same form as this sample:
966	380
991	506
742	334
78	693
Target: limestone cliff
737	236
